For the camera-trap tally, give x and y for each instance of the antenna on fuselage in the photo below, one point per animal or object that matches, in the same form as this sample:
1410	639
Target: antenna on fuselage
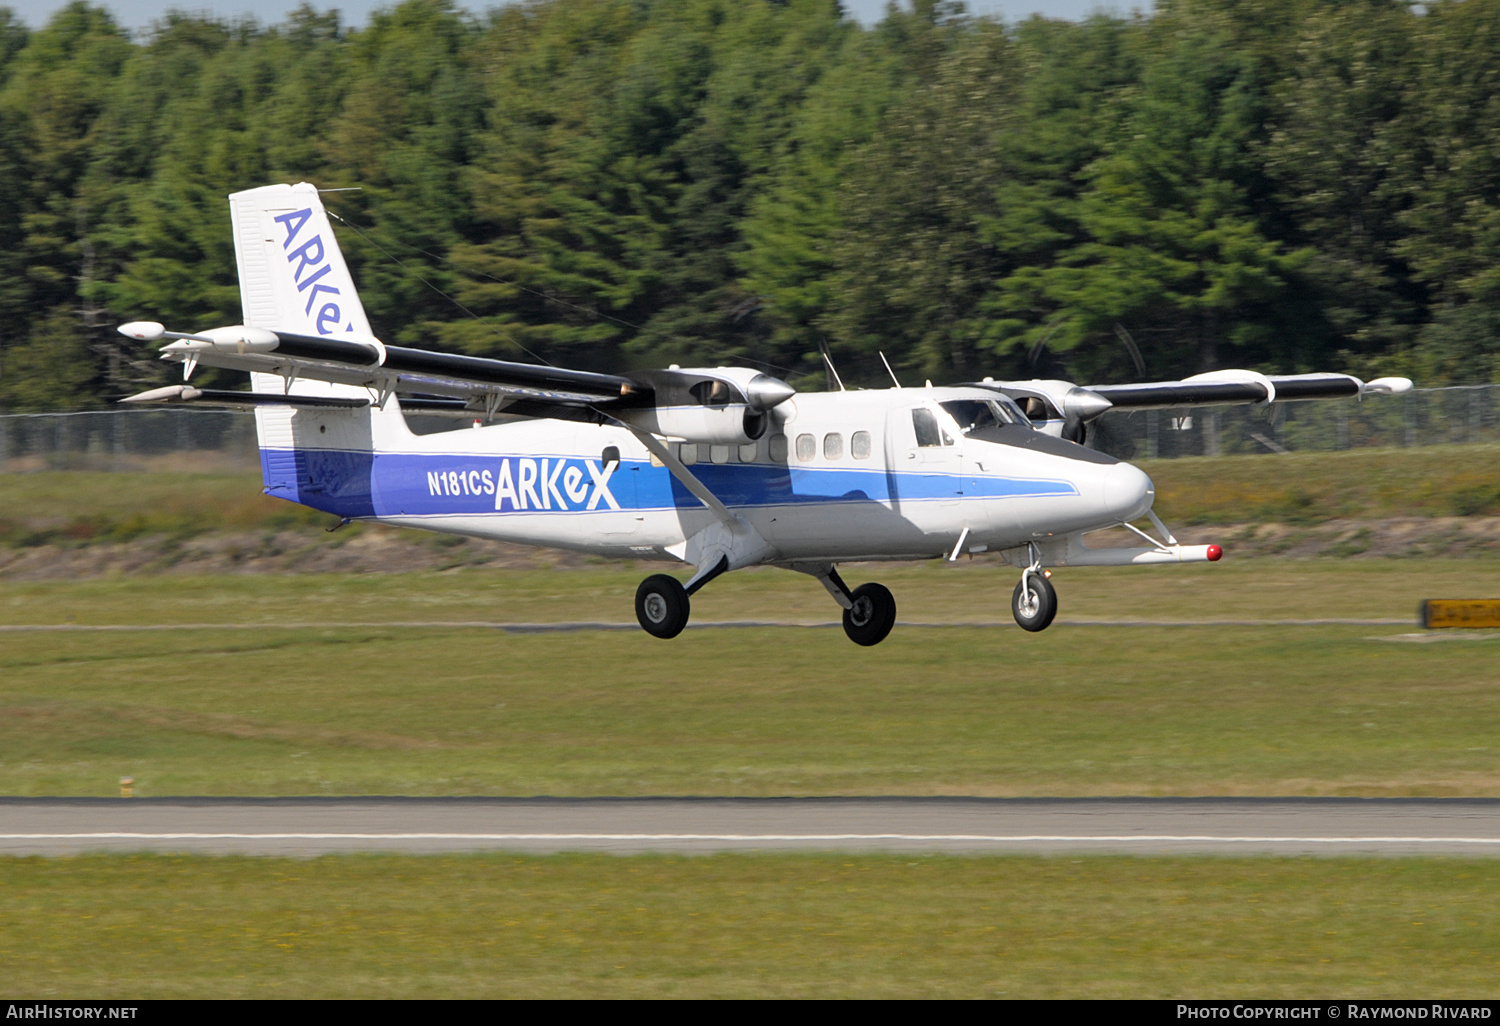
1135	351
823	348
888	369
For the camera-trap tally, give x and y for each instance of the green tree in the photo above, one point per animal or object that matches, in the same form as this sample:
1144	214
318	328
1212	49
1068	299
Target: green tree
1174	249
52	368
1446	149
50	106
1335	169
13	187
913	266
793	222
204	109
407	126
626	143
1063	120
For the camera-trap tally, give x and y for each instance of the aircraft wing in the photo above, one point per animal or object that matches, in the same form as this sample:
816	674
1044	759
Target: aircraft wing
1240	386
1066	402
680	402
451	381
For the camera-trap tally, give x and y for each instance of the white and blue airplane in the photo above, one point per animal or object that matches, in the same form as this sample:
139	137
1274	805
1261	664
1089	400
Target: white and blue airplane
719	468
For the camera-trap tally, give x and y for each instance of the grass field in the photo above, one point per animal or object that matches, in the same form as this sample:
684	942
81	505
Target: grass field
746	925
1308	487
80	507
755	711
1086	710
938	592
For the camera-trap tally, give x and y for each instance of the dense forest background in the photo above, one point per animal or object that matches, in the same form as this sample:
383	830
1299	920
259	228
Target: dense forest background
1277	184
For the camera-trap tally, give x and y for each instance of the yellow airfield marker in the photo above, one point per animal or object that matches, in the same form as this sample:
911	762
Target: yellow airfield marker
1460	613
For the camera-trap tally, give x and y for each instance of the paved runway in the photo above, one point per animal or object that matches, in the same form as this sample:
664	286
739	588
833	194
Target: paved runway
308	826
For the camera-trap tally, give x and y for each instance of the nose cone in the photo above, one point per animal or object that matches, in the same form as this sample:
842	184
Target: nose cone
765	392
1128	492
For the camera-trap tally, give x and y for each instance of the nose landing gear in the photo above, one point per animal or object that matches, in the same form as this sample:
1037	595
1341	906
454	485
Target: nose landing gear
1034	602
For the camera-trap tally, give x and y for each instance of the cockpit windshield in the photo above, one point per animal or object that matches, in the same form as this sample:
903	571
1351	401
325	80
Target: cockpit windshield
972	414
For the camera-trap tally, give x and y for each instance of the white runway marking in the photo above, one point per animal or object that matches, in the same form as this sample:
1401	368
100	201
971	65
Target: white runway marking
311	826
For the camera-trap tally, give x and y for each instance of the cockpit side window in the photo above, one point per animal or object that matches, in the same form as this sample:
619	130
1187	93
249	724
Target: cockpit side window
1008	405
926	425
973	414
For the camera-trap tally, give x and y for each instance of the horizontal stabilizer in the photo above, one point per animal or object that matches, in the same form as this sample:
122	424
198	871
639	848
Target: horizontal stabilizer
221	397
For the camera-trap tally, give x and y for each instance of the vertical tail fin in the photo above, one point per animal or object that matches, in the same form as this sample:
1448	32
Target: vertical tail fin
292	275
293	278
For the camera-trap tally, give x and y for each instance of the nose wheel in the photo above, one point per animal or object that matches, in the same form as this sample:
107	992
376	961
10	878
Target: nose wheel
662	606
1034	602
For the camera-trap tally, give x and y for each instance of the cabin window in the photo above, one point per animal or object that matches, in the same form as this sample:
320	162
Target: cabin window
859	445
705	452
807	448
926	425
688	453
747	452
611	454
833	446
718	453
778	448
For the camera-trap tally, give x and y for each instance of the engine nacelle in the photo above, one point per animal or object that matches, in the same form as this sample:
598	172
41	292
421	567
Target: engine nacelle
718	406
730	424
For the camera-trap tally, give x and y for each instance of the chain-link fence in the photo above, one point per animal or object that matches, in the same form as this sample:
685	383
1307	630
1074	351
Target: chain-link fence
1463	415
137	439
128	439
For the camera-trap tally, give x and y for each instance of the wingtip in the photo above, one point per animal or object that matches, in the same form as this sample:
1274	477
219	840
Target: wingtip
1388	386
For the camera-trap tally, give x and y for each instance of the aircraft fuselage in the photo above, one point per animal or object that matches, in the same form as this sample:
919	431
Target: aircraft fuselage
881	474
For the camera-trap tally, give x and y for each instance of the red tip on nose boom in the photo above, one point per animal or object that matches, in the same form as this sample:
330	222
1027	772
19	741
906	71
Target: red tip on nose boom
1214	552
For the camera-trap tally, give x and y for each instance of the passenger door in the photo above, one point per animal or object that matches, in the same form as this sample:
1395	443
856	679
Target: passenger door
924	452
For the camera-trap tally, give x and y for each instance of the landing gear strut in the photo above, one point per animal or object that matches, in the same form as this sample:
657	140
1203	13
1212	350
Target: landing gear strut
869	610
663	603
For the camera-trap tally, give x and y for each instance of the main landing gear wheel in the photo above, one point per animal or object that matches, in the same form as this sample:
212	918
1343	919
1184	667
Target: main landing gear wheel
872	616
1034	602
662	606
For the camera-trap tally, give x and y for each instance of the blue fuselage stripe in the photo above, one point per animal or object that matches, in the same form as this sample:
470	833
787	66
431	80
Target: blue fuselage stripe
365	484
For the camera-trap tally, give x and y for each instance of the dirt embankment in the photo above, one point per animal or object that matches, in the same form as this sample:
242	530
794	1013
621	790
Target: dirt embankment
377	549
364	549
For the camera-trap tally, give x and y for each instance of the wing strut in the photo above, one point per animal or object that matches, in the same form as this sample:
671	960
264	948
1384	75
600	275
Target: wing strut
682	473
